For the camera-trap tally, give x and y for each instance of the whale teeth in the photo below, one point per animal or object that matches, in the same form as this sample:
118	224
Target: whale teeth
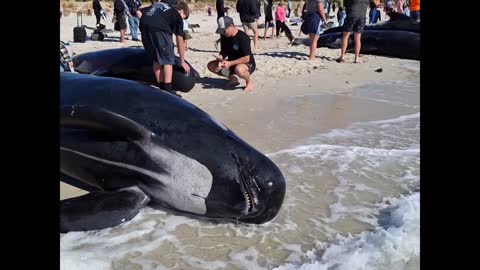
249	200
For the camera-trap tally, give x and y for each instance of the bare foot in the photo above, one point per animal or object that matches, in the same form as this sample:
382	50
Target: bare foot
340	60
311	59
357	61
248	87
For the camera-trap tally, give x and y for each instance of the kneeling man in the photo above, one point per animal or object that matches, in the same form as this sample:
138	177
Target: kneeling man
236	56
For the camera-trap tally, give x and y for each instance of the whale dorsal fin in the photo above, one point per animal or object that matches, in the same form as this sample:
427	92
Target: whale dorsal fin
101	120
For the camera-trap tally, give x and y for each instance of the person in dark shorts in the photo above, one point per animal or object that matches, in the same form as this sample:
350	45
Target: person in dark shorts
220	6
249	13
268	18
236	56
158	23
97	10
120	10
355	22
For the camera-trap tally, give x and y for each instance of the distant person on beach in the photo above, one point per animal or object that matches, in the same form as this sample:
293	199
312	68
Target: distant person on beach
133	21
374	12
280	19
268	17
315	18
355	22
390	4
341	13
235	57
120	10
97	10
186	33
399	6
61	9
289	8
415	10
249	12
220	7
158	22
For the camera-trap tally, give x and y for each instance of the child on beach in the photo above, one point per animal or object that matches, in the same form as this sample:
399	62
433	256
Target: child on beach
158	23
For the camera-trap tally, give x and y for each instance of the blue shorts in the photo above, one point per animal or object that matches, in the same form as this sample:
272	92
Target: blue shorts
158	47
313	24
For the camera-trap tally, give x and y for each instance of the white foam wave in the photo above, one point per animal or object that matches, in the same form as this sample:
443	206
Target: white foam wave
392	245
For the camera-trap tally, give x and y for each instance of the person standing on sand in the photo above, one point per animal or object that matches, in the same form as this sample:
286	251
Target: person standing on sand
399	6
158	23
355	22
313	24
341	14
280	19
374	12
133	6
268	18
289	8
97	10
120	10
236	56
249	12
415	10
220	7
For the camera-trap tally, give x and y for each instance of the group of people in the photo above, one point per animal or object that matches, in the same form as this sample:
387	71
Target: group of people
122	10
165	18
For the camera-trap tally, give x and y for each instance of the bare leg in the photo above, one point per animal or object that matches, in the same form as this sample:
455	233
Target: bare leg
358	46
255	39
265	33
245	29
157	69
242	71
313	45
122	35
345	37
167	73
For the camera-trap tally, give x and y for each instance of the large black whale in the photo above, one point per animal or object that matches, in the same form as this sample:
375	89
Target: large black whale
132	64
131	145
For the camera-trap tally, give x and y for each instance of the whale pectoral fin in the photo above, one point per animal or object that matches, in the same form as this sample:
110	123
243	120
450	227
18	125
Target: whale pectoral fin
78	183
101	209
101	120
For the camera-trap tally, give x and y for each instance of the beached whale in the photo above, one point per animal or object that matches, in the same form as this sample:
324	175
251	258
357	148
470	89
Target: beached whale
398	21
131	64
399	44
131	145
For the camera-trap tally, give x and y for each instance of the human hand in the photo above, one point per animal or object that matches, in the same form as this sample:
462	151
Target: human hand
186	67
226	64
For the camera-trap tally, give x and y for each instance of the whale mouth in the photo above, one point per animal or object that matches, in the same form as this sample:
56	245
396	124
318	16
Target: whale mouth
251	198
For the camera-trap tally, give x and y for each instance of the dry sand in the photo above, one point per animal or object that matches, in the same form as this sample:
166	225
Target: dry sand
283	71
